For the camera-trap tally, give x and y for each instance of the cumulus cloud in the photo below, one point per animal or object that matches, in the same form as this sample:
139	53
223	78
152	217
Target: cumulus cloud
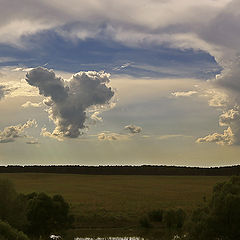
105	136
10	133
32	141
109	136
230	136
133	129
226	138
69	100
112	136
95	117
46	133
31	104
217	98
184	94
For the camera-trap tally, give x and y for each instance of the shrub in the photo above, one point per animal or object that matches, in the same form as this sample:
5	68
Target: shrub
9	233
156	215
174	218
46	214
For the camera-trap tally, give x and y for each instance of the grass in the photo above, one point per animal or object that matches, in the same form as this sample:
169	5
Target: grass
117	201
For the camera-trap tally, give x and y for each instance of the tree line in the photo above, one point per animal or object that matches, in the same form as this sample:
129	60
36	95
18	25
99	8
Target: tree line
124	170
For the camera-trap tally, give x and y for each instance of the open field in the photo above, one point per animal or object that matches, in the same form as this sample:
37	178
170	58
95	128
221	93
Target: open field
100	201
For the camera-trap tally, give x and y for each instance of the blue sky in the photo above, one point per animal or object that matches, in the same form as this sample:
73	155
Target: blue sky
52	50
105	82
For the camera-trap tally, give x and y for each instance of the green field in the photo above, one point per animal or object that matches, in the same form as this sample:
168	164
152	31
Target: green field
110	201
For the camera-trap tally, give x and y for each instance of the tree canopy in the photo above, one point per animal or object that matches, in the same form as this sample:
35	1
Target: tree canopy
47	214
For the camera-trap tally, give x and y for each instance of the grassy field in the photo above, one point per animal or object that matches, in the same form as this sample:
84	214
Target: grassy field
100	201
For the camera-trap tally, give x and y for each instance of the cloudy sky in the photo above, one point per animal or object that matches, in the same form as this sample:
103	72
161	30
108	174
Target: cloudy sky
120	82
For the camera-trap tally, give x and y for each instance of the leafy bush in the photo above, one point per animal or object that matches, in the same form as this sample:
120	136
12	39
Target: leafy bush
174	218
35	213
9	233
46	214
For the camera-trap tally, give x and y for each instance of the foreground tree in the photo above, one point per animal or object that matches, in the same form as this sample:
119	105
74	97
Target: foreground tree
220	218
47	215
12	205
7	232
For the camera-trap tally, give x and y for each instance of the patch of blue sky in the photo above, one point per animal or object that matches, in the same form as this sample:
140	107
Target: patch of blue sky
104	54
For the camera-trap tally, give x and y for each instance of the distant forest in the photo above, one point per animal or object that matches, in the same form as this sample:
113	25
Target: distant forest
124	170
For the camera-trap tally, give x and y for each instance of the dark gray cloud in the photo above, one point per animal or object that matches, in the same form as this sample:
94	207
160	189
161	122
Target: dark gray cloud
48	84
69	100
133	129
10	133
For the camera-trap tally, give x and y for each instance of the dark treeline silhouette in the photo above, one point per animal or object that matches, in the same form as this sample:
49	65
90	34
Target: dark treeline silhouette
124	170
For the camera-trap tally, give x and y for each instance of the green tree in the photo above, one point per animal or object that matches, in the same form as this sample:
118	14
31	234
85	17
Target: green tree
12	205
220	218
46	214
9	233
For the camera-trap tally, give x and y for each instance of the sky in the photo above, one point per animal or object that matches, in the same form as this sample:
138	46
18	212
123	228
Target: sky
107	82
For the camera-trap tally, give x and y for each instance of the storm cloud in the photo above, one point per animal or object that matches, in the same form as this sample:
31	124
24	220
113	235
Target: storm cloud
69	100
